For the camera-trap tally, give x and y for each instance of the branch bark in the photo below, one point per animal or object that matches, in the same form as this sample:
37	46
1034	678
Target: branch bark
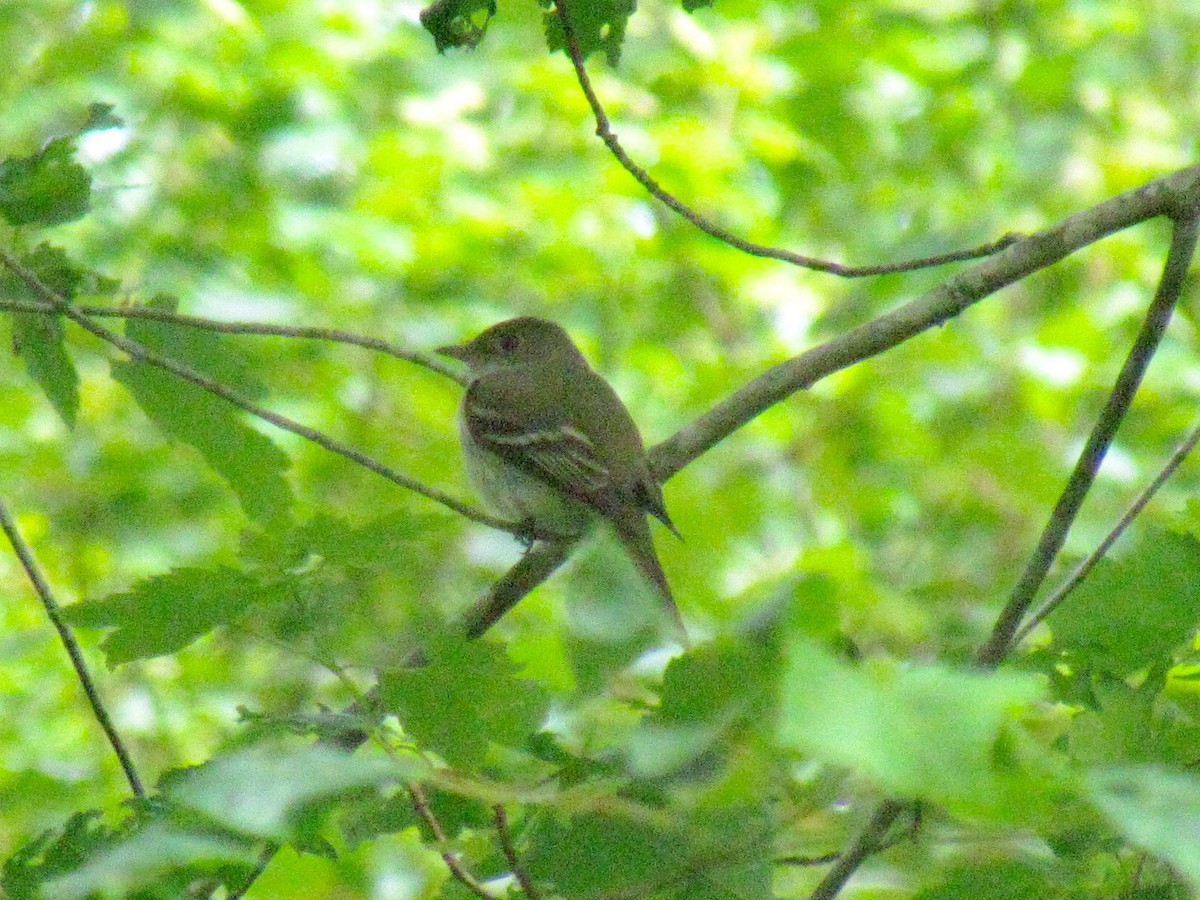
53	611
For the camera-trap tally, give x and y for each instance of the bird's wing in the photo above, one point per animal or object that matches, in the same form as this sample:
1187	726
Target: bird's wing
554	451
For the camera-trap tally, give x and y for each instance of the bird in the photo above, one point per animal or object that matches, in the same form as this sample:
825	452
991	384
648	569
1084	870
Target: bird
549	445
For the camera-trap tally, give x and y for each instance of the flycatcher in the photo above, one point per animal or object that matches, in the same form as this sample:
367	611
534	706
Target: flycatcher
549	444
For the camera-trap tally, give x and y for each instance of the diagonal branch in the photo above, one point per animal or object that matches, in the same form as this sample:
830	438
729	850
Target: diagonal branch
510	853
53	610
605	133
1081	571
144	354
1179	258
949	299
420	804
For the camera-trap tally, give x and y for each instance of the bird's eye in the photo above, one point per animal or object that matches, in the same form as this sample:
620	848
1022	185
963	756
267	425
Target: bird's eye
509	343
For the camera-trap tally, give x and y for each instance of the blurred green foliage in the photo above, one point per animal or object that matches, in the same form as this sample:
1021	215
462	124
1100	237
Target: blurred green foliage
321	163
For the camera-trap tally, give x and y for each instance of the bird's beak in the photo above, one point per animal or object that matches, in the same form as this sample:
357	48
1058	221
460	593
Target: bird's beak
456	351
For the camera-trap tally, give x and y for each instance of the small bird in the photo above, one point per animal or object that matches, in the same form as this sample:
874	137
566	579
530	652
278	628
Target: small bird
549	444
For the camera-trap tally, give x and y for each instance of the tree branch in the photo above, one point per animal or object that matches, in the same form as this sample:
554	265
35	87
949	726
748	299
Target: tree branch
220	326
947	300
605	133
1081	571
1179	190
144	354
510	853
421	804
1179	257
53	611
869	838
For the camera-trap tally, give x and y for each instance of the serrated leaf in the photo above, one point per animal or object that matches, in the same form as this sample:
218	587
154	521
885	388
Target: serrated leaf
719	685
166	613
721	680
262	791
251	464
929	732
1132	613
371	817
467	695
1156	808
50	854
44	188
599	25
40	339
457	23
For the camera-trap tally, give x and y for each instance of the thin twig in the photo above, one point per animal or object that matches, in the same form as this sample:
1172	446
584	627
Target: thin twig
144	354
420	804
264	860
868	840
42	587
605	133
220	326
510	853
823	859
1085	567
1179	257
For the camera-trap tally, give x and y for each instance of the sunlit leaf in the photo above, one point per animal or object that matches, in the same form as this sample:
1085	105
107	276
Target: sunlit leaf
255	791
1156	808
926	732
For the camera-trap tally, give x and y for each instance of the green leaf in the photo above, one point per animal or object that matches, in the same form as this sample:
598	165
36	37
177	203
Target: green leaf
250	463
48	855
994	881
721	680
595	854
39	339
466	696
924	732
101	117
44	188
166	613
265	791
1156	808
209	353
457	23
144	859
599	25
721	685
1132	613
378	544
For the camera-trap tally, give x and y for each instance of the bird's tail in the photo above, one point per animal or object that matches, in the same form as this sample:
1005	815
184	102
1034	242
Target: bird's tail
634	533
